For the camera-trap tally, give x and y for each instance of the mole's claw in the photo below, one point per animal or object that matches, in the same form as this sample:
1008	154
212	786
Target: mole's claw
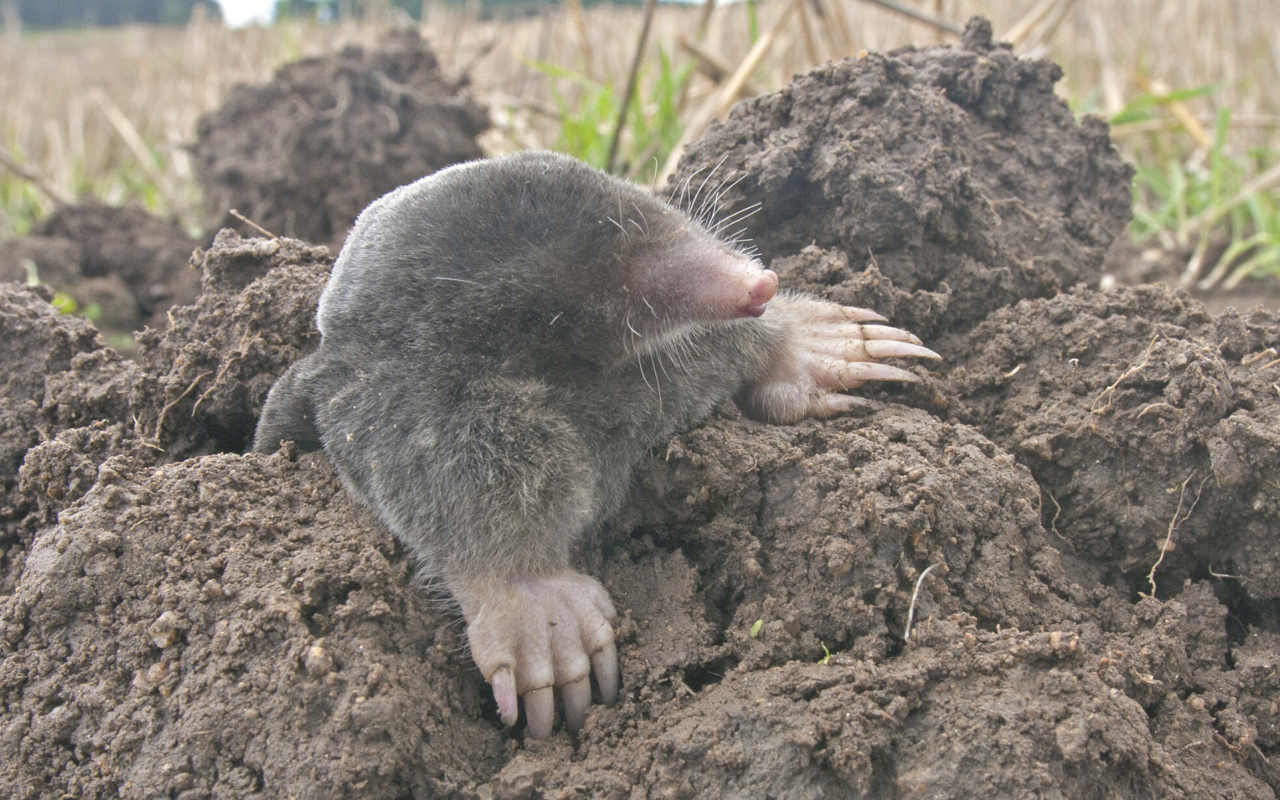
835	373
540	711
879	348
828	348
504	693
577	699
861	314
605	664
532	633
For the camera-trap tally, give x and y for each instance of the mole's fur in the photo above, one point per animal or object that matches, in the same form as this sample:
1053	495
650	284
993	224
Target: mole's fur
501	342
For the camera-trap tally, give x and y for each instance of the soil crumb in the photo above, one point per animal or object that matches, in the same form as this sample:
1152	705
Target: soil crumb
943	594
303	154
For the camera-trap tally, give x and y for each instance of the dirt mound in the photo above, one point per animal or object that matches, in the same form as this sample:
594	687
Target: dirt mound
955	171
58	375
304	154
182	619
195	646
129	264
1151	427
206	376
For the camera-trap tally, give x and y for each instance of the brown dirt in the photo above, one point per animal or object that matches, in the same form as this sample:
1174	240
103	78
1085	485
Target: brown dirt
957	172
1131	264
132	265
304	154
180	619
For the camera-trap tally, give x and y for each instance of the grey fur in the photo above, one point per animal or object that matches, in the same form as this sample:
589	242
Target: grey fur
487	377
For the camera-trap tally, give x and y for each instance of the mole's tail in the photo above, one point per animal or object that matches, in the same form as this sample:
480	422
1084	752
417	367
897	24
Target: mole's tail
289	413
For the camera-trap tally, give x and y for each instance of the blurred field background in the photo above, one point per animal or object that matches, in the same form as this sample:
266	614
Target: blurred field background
1192	86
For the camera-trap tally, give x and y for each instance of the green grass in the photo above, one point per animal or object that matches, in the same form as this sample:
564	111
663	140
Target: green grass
653	124
1204	198
22	203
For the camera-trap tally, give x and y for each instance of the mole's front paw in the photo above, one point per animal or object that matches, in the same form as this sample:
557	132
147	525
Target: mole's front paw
828	348
529	634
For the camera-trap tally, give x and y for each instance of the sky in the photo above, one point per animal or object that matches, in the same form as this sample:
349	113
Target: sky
244	12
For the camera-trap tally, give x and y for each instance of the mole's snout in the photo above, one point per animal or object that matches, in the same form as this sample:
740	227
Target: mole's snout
761	288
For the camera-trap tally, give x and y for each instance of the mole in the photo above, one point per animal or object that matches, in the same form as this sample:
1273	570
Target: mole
501	342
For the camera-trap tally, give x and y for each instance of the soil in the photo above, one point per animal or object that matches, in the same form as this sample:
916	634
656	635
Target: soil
1131	264
958	172
303	154
1049	569
130	264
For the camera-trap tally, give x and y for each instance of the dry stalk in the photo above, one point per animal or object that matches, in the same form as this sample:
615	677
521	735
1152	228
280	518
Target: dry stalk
165	411
712	66
911	612
1247	361
1128	129
1222	575
707	7
810	44
56	193
1023	27
1112	91
833	10
1179	110
133	140
580	22
1053	523
240	352
1045	30
717	105
252	224
649	7
940	23
1178	519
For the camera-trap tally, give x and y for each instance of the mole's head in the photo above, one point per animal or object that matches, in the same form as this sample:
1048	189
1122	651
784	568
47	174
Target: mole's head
537	257
641	268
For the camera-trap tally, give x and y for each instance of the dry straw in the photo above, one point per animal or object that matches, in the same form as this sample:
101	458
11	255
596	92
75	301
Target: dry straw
112	109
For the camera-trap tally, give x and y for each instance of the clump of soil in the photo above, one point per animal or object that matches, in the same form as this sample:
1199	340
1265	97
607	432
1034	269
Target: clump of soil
1151	426
131	265
956	171
946	582
302	155
192	645
206	377
71	402
58	375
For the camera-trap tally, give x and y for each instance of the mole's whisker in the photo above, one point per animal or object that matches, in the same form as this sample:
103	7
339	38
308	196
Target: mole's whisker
737	216
642	217
684	187
703	185
714	203
457	280
643	377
